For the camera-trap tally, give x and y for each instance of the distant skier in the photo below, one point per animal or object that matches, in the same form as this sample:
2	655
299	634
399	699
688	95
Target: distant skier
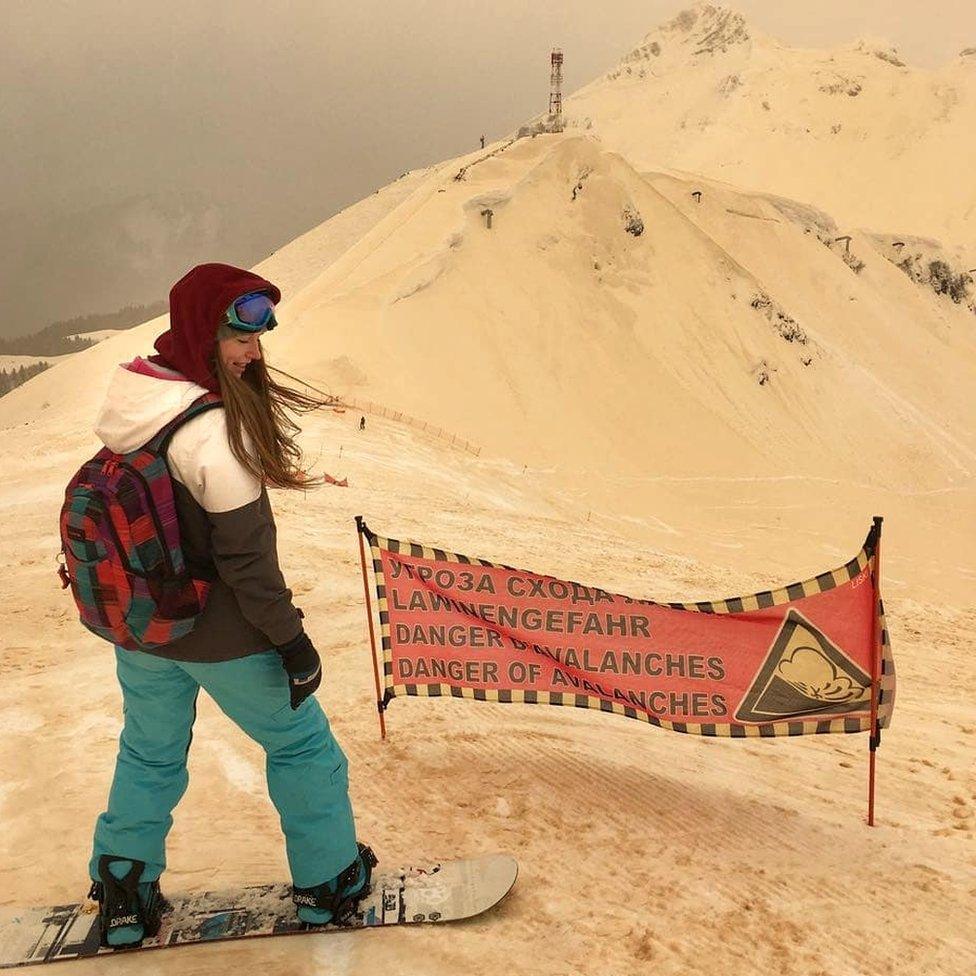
248	649
362	423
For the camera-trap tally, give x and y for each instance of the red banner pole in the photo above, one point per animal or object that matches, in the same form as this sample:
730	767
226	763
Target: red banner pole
875	739
372	636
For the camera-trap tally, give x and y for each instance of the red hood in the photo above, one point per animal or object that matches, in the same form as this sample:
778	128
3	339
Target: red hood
197	303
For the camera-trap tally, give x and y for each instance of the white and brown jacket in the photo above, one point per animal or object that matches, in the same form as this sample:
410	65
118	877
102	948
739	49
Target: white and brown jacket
227	527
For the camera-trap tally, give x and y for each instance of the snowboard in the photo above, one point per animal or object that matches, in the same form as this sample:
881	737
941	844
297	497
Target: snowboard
442	891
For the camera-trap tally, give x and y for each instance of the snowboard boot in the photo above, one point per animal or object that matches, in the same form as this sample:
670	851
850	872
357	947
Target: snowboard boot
129	910
336	901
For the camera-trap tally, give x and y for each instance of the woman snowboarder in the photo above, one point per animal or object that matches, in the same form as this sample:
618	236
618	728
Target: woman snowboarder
248	649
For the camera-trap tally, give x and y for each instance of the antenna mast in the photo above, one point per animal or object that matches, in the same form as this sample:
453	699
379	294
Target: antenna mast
556	91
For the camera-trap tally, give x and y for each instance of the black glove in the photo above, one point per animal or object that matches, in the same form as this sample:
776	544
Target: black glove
300	659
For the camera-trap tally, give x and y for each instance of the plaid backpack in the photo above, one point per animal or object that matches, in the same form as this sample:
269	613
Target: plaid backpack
121	545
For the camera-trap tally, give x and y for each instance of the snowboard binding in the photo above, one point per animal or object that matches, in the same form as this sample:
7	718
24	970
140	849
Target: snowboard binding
340	897
124	903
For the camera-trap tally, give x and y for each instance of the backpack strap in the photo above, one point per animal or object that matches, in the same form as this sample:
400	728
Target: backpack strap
160	441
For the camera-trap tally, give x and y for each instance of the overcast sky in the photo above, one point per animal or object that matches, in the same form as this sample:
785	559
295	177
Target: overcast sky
282	113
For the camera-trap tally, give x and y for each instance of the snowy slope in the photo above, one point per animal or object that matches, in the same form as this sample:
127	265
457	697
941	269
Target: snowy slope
724	341
730	854
560	337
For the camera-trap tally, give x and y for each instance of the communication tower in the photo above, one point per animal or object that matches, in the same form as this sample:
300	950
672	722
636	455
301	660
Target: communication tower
556	90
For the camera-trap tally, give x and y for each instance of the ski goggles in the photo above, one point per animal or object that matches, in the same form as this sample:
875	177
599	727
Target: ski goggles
251	313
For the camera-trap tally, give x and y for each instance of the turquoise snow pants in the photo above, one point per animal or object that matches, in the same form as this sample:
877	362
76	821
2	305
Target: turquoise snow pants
306	769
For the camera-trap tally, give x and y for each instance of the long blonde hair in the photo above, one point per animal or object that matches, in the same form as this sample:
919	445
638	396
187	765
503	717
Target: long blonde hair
255	403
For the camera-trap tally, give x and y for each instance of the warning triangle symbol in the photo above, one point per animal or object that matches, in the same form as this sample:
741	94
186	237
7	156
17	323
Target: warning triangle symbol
804	674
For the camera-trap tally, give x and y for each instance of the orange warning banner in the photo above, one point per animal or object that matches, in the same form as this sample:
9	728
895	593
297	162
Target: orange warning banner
802	659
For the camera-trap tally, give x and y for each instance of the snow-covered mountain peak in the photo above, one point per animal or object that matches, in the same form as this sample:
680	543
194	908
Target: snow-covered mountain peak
708	28
697	34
